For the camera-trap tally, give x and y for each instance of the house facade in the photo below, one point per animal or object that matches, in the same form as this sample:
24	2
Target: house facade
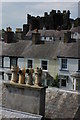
29	55
55	58
69	67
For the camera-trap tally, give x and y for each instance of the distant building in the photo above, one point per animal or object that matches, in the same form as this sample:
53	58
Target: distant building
54	20
48	35
54	35
75	32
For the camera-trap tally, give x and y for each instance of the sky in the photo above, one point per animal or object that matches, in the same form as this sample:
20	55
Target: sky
13	12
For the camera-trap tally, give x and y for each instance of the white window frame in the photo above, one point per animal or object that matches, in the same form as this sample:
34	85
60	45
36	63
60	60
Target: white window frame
21	62
64	68
8	62
12	59
47	64
32	62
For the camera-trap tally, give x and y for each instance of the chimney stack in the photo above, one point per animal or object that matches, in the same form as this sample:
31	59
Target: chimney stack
67	37
9	35
19	34
36	37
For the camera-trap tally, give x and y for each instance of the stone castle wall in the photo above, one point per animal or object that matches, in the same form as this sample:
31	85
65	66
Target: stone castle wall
54	20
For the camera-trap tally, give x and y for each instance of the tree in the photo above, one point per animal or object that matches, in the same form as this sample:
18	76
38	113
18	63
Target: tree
55	82
3	33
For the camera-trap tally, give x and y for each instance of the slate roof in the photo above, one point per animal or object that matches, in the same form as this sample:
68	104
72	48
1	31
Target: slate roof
54	33
14	49
43	51
29	50
75	29
49	33
48	50
70	50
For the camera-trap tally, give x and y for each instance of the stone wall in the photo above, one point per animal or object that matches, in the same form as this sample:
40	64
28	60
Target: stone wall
24	98
62	104
50	21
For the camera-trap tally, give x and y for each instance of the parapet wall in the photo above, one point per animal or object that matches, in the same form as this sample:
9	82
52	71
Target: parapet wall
24	98
59	103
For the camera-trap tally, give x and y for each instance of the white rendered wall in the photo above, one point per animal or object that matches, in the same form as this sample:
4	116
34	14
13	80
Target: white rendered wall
21	62
72	66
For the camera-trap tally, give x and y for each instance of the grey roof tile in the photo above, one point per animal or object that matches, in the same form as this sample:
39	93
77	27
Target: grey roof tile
49	50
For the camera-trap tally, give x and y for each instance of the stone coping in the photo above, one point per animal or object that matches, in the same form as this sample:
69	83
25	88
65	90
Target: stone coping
25	86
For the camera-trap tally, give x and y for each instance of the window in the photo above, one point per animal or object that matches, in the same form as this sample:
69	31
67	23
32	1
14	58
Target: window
6	62
45	38
30	63
64	64
75	33
59	38
50	38
78	64
63	83
13	62
44	64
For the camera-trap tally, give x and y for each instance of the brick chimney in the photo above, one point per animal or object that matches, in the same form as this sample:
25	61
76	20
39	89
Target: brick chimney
36	37
67	37
9	35
19	34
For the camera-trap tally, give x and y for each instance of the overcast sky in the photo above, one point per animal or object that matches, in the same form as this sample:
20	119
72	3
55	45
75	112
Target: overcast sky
14	13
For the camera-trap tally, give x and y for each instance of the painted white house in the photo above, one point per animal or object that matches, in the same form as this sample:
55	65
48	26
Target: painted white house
69	66
27	54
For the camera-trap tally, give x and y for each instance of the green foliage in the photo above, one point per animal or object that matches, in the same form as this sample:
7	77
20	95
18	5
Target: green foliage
55	82
77	22
3	33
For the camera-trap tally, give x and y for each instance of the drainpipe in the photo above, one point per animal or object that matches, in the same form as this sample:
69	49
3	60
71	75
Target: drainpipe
74	84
